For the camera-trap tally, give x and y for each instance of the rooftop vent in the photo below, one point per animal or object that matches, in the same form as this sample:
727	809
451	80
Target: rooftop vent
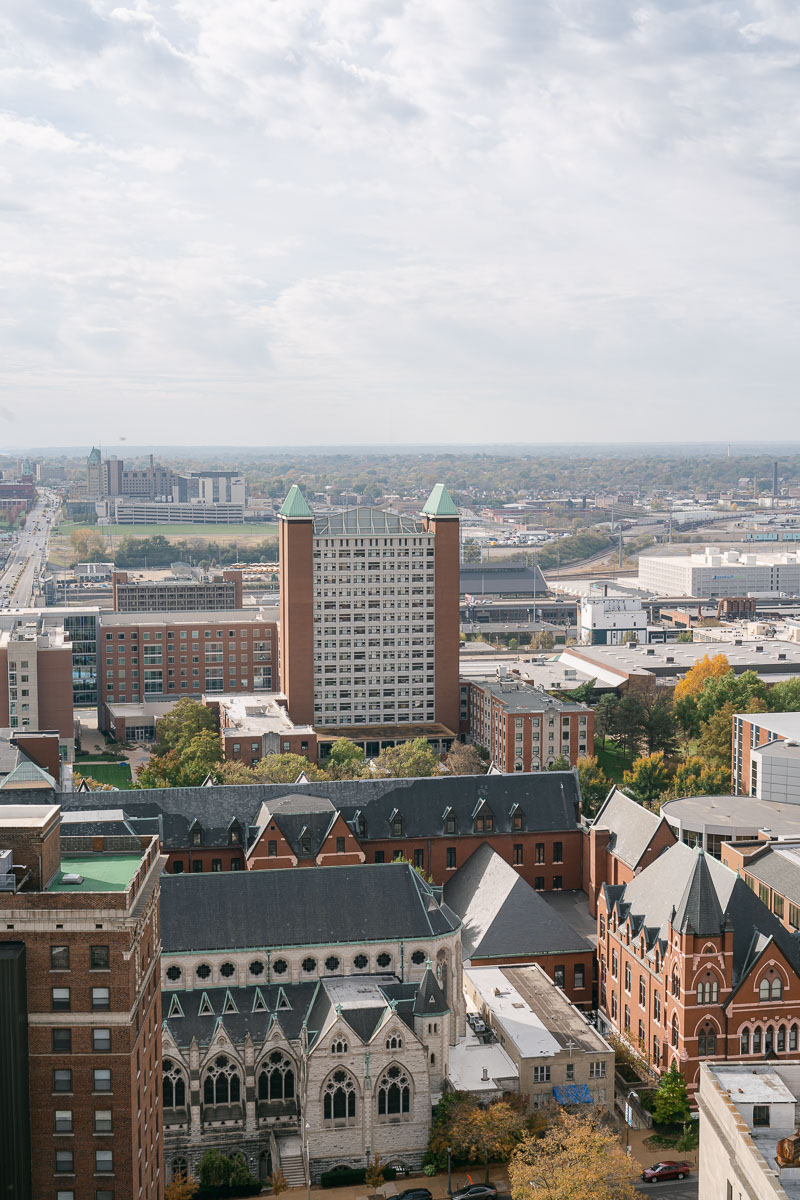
650	650
737	641
485	1073
781	655
71	877
759	649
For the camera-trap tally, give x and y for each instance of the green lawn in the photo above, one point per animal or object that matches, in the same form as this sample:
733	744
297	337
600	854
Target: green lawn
117	774
226	533
613	761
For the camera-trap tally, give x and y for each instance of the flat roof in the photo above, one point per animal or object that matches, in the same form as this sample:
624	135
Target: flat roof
785	724
737	814
673	658
255	713
470	1057
26	816
746	1085
361	733
101	872
533	1012
234	616
517	695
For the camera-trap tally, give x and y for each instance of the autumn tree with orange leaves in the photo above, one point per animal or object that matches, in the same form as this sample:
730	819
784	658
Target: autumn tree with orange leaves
578	1158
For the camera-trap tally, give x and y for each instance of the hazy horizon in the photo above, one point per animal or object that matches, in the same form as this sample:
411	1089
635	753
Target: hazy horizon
363	223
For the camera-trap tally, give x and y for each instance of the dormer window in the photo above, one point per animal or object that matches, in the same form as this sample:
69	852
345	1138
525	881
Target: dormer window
518	820
197	835
305	842
396	824
360	824
450	824
235	835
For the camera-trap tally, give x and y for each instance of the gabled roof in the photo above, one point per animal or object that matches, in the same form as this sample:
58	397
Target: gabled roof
364	522
547	802
295	506
699	911
429	999
250	1018
326	906
648	902
440	503
632	826
502	916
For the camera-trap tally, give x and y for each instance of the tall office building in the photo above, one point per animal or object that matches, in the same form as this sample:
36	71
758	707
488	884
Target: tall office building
369	623
80	1012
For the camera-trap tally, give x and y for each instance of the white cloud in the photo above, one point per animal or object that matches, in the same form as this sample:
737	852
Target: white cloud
437	220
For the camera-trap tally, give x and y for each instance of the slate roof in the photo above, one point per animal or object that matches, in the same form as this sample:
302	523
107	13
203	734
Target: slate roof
699	911
648	900
779	868
547	802
502	915
429	997
194	1025
632	827
327	906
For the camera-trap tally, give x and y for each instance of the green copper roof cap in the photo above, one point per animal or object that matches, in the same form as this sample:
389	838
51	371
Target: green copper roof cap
295	504
440	503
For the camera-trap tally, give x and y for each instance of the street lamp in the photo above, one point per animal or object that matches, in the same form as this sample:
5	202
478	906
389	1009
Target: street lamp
449	1177
308	1164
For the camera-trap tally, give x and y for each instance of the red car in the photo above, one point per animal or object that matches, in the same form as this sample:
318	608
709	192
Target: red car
666	1170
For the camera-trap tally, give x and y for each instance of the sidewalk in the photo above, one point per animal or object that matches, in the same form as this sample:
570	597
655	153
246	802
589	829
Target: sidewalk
436	1184
647	1155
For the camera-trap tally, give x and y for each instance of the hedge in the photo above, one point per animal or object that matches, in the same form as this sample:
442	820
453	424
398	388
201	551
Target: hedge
348	1176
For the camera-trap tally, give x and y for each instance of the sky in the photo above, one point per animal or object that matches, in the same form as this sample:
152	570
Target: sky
267	222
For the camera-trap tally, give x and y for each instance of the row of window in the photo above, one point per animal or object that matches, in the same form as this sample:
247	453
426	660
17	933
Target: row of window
62	1040
103	1162
99	959
183	634
101	1080
61	999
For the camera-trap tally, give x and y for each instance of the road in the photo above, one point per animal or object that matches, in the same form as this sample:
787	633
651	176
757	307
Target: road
677	1189
29	556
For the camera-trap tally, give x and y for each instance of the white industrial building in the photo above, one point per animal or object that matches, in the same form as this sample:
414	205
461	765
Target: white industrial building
716	573
610	620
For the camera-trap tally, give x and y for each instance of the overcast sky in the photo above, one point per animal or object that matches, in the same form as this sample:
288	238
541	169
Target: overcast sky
270	221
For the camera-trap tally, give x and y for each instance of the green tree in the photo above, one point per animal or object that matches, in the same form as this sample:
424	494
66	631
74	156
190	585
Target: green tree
716	737
697	777
628	725
605	712
164	771
373	1176
659	727
409	760
686	636
214	1169
671	1103
464	760
202	754
578	1158
274	768
687	716
176	730
647	779
785	696
478	1134
595	784
583	693
346	761
561	763
705	668
739	690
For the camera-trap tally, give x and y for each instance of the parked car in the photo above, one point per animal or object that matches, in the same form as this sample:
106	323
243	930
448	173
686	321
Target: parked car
665	1170
415	1193
476	1191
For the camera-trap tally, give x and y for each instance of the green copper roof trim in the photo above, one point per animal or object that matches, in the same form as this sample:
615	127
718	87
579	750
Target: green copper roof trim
440	503
295	504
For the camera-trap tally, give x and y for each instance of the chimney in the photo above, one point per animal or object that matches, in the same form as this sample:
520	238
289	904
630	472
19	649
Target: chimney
485	1074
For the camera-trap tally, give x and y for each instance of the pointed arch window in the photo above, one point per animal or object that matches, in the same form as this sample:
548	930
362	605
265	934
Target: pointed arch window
763	990
675	1030
394	1094
676	984
744	1041
339	1099
173	1085
276	1078
394	1042
793	1038
776	990
769	1039
780	1044
757	1040
222	1083
339	1046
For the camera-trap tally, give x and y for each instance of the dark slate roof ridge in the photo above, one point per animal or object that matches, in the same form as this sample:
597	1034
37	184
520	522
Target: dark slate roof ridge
631	825
699	910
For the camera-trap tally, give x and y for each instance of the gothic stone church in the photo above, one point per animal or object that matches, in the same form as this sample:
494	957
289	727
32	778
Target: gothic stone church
307	1014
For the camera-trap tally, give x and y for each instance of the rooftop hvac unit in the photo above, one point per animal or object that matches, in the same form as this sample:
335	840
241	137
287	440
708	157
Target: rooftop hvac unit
71	877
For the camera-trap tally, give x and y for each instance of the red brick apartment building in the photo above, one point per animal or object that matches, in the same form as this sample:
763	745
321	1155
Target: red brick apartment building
80	1012
693	967
201	591
36	677
525	729
163	656
621	841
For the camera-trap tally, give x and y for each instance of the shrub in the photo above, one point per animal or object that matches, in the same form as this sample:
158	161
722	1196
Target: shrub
429	1169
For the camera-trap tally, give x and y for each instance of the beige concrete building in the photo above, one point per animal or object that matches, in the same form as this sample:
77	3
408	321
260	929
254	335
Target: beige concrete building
746	1109
556	1055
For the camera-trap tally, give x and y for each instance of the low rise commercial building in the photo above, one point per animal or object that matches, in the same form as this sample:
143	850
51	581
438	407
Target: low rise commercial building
558	1057
125	510
80	1039
611	620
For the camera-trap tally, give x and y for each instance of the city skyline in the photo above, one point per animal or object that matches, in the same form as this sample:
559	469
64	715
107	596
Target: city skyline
396	221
